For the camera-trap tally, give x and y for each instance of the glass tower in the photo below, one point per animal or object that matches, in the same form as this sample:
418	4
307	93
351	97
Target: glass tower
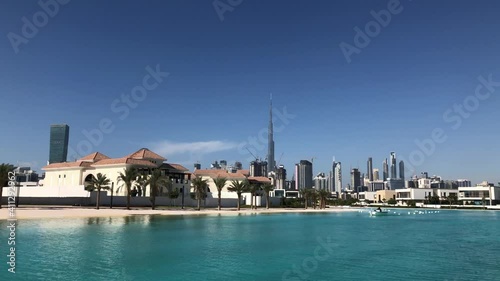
59	138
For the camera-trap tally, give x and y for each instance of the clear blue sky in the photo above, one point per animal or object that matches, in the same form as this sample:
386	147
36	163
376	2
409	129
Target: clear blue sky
394	91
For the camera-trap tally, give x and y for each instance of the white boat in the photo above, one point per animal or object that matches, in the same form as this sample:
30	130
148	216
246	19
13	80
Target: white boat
379	212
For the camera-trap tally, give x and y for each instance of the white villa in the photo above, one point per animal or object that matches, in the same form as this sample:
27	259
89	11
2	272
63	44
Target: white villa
479	193
68	179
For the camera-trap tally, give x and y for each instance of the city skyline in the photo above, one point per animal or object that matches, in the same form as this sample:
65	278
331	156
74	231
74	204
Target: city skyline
205	104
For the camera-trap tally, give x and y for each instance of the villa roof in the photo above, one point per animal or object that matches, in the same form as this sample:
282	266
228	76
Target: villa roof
76	164
125	160
260	179
145	153
214	173
172	166
94	157
245	172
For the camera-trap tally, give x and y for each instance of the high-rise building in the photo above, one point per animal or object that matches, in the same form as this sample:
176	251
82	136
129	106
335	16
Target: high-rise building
238	165
270	140
296	182
304	176
321	182
258	168
59	138
281	177
376	175
464	183
394	174
355	179
385	174
370	169
197	166
337	170
402	170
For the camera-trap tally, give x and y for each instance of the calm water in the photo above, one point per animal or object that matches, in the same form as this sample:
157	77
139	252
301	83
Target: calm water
450	245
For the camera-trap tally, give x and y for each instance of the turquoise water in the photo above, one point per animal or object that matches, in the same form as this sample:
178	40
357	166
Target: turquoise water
450	245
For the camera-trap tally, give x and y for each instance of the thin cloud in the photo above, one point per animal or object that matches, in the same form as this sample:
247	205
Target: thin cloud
169	148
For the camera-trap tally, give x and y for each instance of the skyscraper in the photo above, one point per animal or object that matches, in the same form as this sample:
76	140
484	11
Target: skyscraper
59	138
337	170
385	172
394	174
370	169
270	139
376	175
355	179
304	176
402	170
320	182
281	177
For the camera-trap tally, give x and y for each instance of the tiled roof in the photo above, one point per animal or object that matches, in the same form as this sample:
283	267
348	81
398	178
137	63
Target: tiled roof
213	173
173	166
260	179
124	160
145	153
94	157
67	165
245	172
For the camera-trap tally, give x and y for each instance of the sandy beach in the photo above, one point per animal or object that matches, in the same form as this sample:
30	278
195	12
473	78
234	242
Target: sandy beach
79	212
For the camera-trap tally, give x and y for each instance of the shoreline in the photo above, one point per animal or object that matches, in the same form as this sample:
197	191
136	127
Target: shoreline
54	212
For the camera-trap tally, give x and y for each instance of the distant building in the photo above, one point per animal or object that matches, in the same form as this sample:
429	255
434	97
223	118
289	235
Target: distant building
304	174
394	174
385	170
238	165
370	169
376	185
463	183
270	140
197	166
281	177
59	139
258	168
25	174
402	170
393	184
355	179
321	182
337	173
376	175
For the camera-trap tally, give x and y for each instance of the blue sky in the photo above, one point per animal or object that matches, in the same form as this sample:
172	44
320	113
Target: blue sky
394	91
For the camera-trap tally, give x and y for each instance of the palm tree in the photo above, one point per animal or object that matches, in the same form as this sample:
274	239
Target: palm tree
4	177
155	181
141	183
313	194
304	192
200	185
219	183
267	188
323	196
253	188
98	183
239	187
127	179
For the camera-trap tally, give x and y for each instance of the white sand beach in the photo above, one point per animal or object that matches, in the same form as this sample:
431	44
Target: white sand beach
40	212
